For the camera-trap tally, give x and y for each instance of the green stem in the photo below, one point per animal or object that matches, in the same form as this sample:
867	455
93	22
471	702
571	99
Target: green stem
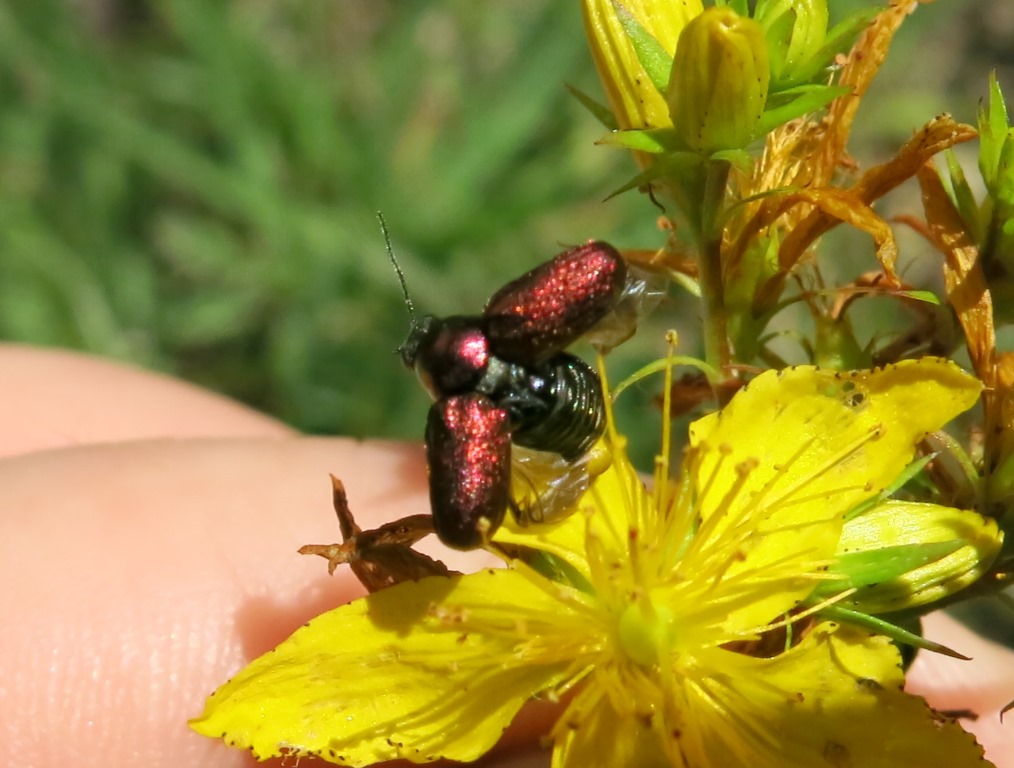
709	256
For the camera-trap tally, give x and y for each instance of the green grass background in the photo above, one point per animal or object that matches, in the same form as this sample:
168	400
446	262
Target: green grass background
191	186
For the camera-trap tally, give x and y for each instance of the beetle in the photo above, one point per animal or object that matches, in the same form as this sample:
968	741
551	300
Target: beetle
503	377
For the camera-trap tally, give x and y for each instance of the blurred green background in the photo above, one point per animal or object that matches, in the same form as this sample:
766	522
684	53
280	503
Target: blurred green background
191	186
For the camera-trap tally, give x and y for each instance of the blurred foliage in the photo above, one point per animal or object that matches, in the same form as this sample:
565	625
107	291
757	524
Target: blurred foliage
192	186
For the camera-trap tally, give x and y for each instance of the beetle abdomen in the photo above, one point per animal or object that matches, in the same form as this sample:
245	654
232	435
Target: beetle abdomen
576	415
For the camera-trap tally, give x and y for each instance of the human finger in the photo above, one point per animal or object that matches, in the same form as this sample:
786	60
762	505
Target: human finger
53	398
981	686
142	575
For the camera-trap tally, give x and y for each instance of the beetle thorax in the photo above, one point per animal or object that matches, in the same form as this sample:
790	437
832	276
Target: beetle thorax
452	356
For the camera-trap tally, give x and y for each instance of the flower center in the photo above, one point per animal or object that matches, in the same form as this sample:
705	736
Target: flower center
645	631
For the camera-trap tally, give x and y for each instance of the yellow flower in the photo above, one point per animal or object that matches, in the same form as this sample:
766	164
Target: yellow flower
655	596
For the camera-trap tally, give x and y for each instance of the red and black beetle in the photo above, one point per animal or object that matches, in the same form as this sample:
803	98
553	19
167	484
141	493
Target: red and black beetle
503	376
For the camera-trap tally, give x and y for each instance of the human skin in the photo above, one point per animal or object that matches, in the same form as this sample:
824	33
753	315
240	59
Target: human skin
147	550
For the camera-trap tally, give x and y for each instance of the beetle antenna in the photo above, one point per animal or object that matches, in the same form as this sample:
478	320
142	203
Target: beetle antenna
397	267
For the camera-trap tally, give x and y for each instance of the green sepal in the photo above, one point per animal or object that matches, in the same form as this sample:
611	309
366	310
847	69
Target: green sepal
795	31
803	100
835	344
599	111
655	60
1003	186
1000	489
908	555
899	482
839	37
856	570
886	628
957	456
842	34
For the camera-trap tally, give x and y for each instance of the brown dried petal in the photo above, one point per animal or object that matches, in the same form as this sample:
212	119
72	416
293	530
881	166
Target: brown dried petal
380	557
967	291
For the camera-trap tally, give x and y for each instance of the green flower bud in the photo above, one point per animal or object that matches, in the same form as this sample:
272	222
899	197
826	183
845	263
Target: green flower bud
795	32
902	555
719	81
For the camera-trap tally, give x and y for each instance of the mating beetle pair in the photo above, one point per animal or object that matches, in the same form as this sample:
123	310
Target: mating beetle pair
503	376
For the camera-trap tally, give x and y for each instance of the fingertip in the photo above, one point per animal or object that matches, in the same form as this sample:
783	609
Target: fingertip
981	686
148	573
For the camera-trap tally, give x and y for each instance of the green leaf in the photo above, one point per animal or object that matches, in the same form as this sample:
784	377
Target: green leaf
992	132
964	198
1003	186
664	166
839	38
599	111
1002	193
845	31
653	57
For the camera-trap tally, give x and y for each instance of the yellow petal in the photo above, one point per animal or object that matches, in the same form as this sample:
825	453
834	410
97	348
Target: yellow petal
835	700
388	677
776	470
897	523
632	96
591	732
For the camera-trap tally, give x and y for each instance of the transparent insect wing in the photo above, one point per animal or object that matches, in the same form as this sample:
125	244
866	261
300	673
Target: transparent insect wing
545	487
642	292
545	310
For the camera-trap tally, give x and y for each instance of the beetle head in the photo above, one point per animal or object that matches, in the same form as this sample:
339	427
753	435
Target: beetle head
409	350
449	354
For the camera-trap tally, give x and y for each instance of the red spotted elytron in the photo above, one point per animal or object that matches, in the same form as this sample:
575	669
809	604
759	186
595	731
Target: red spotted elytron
502	377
